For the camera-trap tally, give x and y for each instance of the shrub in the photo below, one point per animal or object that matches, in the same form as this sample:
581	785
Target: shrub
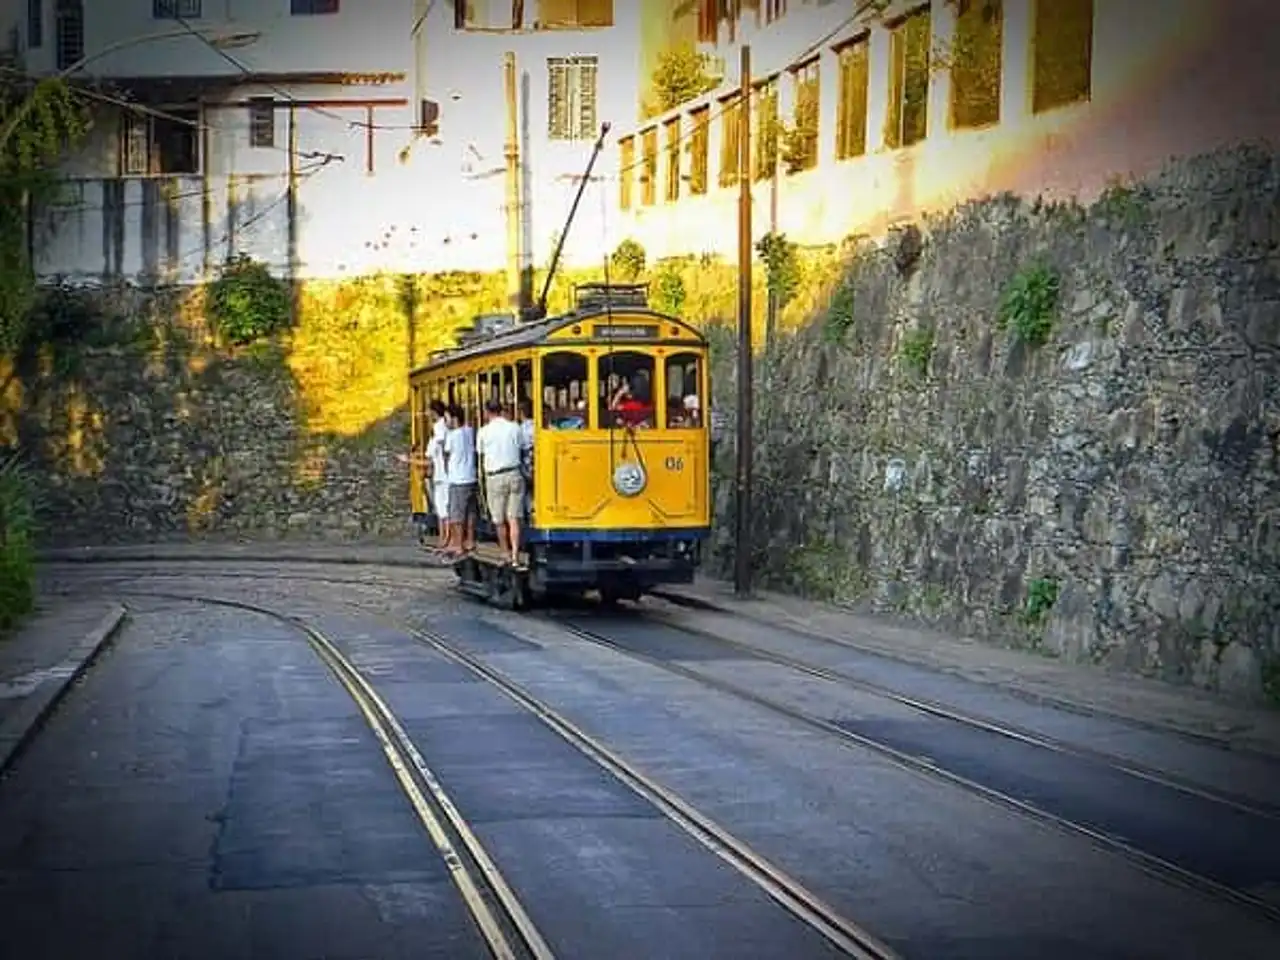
782	266
17	529
681	74
917	351
669	293
1030	303
628	260
246	303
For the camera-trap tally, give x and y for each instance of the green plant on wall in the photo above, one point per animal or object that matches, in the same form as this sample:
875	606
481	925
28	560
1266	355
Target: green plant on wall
917	351
839	318
246	303
782	266
1029	304
17	551
1042	594
668	291
628	260
39	124
681	74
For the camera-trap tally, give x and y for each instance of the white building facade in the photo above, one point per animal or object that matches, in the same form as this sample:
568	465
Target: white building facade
276	128
894	110
577	67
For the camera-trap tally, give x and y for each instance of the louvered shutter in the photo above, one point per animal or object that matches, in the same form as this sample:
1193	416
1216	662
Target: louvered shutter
557	99
587	75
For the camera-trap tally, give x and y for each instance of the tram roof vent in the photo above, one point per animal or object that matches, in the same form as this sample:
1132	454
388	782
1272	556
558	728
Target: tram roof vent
484	326
590	296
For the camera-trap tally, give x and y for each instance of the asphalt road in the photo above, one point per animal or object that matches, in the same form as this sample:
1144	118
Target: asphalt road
210	790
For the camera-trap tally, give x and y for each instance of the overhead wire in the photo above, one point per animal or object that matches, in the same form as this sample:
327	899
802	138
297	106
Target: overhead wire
734	97
250	74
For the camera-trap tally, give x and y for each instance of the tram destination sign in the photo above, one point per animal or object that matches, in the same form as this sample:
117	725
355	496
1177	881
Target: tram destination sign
614	331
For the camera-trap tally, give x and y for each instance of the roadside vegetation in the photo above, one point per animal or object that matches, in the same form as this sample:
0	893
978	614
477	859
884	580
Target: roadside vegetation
39	122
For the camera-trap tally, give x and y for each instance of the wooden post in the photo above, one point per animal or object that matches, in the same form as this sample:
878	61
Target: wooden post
513	183
742	538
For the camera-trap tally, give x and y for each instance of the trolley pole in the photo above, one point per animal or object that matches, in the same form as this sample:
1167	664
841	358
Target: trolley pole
742	537
514	286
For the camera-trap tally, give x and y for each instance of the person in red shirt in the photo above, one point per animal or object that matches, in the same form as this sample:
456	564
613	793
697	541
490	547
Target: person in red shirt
630	406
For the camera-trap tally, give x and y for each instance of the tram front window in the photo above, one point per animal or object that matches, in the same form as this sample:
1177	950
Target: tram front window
626	390
684	401
564	391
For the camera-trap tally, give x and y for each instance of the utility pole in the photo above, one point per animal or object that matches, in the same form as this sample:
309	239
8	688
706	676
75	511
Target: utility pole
771	317
514	286
742	539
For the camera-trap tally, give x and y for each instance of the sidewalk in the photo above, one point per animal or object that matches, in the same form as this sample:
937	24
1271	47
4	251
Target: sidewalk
397	553
42	659
1073	686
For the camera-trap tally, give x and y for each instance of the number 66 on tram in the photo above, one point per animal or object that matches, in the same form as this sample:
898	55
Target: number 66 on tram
620	493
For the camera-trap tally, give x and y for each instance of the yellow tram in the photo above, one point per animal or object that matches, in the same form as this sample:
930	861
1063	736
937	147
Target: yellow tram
620	496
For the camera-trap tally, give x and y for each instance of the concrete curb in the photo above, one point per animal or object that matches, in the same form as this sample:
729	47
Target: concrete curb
216	555
18	730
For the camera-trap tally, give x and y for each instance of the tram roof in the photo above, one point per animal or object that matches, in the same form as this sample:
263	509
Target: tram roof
533	334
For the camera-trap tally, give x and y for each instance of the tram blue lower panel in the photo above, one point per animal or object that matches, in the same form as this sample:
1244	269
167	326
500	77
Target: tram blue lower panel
660	534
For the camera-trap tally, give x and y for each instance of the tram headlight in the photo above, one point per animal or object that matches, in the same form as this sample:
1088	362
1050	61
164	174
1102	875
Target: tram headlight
629	479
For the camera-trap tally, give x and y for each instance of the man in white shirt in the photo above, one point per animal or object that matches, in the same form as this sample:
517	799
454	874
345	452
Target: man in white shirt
460	467
500	448
438	479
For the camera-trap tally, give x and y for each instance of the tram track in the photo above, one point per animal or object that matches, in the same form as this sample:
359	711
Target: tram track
1037	698
506	927
500	918
1165	867
916	758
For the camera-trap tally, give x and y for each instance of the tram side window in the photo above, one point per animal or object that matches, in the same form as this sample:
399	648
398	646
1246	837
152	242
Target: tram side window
564	391
626	390
684	403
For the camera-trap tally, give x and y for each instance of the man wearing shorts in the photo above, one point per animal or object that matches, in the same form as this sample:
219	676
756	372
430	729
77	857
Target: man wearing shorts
499	447
460	464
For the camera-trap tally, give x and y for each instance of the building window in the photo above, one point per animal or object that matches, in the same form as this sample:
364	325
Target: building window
571	99
306	8
770	10
976	63
649	167
1062	53
907	122
262	122
671	132
68	28
708	20
730	139
851	122
173	9
802	143
487	15
152	145
765	130
574	14
35	23
626	167
699	148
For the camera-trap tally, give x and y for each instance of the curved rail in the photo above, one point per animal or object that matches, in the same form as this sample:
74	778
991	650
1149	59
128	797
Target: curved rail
843	933
505	926
1155	865
1030	696
985	724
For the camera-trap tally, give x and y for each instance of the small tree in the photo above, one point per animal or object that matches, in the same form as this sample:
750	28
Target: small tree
628	260
682	73
39	122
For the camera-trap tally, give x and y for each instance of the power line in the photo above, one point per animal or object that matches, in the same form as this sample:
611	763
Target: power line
250	74
734	98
